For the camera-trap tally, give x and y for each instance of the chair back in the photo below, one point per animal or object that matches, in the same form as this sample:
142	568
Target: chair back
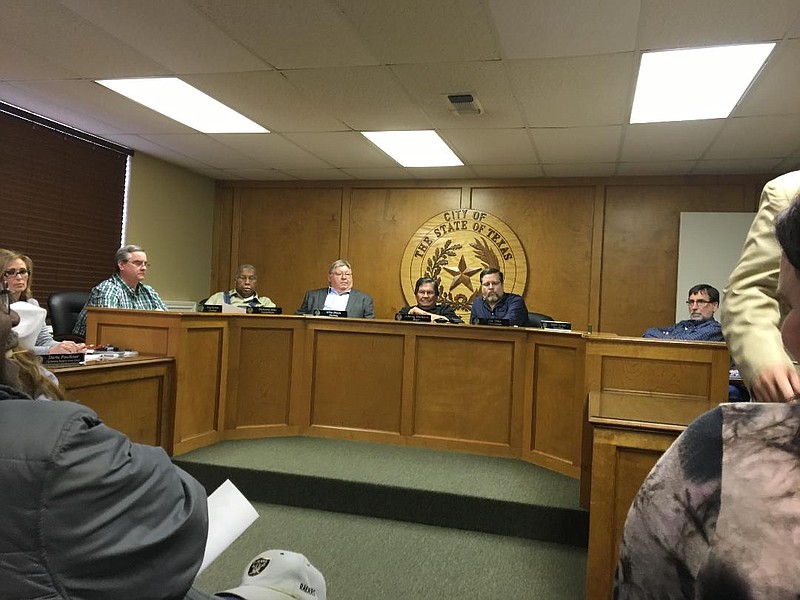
535	319
64	308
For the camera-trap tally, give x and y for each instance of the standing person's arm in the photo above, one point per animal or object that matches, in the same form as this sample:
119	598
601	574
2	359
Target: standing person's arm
751	314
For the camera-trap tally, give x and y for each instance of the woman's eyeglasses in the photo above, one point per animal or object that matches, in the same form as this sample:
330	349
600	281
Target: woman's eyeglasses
14	272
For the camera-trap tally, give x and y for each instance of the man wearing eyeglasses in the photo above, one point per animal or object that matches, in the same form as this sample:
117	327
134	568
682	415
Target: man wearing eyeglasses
701	326
124	289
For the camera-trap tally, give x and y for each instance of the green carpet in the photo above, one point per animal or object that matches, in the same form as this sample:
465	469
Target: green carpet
398	466
374	559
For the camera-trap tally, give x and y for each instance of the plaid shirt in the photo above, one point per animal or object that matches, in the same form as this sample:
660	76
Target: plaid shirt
115	293
696	331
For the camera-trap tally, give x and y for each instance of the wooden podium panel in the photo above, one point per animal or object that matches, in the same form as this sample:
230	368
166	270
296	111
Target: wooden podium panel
200	392
622	458
464	391
501	391
554	423
134	396
261	366
356	379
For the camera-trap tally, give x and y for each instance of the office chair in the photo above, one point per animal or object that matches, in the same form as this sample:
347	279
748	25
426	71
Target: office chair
535	319
64	308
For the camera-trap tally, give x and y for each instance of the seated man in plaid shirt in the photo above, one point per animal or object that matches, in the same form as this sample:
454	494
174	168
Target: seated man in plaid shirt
124	289
701	326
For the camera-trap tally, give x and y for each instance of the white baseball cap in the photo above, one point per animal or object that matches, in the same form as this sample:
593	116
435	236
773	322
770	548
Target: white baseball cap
278	575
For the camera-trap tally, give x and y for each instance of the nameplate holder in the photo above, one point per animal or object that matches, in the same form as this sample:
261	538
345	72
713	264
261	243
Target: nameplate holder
211	308
325	312
494	322
265	310
410	317
75	358
563	325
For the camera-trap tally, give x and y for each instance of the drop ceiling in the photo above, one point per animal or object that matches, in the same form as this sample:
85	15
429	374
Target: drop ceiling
555	79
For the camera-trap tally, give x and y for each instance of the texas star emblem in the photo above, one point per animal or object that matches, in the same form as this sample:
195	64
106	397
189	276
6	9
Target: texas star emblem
453	247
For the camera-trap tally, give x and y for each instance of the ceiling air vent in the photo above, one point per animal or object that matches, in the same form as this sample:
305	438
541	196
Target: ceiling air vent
464	105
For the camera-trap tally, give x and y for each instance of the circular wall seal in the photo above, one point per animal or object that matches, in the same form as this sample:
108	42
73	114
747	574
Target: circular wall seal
453	247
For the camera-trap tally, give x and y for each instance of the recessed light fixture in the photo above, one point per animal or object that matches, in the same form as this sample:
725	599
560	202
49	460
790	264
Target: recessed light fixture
697	83
178	100
414	148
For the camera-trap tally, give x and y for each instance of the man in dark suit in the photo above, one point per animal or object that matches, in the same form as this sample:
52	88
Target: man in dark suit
339	295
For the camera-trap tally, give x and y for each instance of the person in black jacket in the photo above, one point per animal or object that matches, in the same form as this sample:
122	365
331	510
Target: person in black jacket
426	292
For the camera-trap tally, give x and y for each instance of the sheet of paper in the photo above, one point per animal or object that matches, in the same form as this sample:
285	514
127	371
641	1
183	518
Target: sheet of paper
229	514
227	308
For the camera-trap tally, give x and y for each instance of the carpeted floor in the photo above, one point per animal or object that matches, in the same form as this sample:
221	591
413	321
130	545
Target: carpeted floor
329	514
375	559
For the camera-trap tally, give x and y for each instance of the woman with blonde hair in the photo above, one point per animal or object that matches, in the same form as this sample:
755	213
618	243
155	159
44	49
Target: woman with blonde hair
28	373
16	272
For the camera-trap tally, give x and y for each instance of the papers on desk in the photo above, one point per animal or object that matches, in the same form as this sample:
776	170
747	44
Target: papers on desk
93	356
229	514
229	308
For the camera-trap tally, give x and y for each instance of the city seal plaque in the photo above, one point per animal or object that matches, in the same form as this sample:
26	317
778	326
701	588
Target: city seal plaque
453	247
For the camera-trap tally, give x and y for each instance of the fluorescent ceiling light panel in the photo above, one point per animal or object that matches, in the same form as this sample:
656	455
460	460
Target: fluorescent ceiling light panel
691	84
414	148
178	100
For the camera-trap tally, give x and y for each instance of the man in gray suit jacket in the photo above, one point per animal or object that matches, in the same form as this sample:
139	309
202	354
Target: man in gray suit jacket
339	295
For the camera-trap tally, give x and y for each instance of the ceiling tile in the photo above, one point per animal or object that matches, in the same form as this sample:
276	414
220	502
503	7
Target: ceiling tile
269	99
687	23
659	167
744	166
52	31
174	34
291	34
442	172
757	137
554	28
319	174
429	84
668	141
580	170
492	147
578	145
270	150
388	173
205	149
774	93
112	112
17	63
423	31
508	171
342	149
364	98
562	92
256	175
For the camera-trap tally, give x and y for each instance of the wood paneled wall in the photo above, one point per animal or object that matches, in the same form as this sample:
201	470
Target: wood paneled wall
599	251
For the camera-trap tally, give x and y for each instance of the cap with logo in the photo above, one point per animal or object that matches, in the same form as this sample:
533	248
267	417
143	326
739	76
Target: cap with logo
278	575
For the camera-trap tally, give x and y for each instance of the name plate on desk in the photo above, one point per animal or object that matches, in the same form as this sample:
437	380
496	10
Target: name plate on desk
211	308
563	325
62	359
264	310
329	313
409	317
495	322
